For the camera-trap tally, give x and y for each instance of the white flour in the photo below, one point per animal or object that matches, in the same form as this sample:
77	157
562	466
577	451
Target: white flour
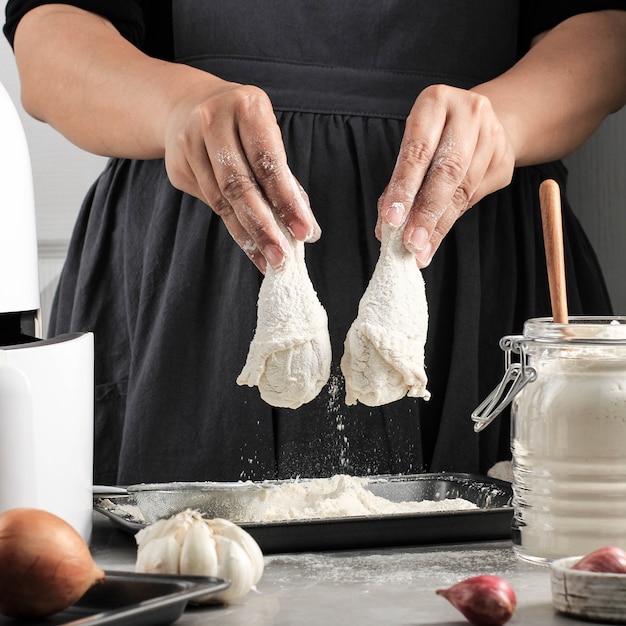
409	566
569	452
129	512
339	496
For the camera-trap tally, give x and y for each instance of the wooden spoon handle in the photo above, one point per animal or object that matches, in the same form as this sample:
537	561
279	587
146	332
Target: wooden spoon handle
550	201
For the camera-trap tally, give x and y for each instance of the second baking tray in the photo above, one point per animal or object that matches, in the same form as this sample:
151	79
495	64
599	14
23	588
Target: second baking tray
129	599
490	521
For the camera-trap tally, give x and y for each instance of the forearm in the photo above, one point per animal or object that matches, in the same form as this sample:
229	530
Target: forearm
79	75
553	99
220	141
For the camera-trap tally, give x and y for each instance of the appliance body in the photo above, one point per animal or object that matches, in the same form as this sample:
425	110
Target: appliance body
46	427
46	386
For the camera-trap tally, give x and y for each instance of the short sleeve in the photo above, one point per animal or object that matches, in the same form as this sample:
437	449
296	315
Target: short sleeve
147	24
537	16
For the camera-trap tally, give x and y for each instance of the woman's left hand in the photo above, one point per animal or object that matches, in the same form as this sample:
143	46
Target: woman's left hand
454	152
460	146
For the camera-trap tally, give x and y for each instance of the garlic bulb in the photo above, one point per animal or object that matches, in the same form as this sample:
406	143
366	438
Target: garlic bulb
188	543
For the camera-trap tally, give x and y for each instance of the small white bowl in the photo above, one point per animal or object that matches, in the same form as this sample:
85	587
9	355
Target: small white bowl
597	596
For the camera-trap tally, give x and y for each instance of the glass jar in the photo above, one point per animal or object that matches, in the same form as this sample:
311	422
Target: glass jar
568	435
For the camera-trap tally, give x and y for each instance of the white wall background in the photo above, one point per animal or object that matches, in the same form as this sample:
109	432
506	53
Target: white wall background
597	191
62	174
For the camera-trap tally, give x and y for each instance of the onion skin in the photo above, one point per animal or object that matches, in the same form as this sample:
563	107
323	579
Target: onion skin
484	600
609	559
45	565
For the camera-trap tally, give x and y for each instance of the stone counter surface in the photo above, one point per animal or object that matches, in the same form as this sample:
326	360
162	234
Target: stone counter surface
388	587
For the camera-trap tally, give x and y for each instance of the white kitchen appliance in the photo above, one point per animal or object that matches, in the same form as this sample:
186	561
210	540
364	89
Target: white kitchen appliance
46	386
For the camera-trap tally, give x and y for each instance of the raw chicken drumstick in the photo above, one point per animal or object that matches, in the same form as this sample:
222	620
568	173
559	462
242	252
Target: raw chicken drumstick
383	357
290	354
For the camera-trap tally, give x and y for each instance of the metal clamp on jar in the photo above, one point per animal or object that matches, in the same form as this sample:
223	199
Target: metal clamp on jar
568	434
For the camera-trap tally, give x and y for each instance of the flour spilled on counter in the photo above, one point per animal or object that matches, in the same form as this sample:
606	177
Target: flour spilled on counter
398	567
338	496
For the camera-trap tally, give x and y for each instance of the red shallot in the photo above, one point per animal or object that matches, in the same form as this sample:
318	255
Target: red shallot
484	600
45	565
607	559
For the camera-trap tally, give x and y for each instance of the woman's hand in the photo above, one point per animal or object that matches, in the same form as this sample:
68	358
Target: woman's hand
460	146
227	150
454	152
220	140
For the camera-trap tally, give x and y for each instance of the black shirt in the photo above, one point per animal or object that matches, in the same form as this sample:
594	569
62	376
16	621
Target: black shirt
148	23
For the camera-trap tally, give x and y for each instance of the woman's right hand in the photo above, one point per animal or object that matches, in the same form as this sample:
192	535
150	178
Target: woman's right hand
220	140
226	149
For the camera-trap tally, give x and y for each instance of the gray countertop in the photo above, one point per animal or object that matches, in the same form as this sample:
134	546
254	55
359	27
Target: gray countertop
390	586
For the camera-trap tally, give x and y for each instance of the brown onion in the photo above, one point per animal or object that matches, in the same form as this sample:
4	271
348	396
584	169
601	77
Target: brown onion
484	600
607	559
45	565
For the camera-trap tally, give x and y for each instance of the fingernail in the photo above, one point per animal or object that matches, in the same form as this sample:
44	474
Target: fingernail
314	234
419	239
275	256
425	256
299	230
394	215
302	232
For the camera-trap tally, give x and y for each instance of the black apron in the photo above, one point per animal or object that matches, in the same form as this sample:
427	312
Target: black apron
172	299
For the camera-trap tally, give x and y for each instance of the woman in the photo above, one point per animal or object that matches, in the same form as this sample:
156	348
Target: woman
328	117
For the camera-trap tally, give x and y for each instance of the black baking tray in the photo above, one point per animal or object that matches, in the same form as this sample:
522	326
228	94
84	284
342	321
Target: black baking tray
490	521
129	599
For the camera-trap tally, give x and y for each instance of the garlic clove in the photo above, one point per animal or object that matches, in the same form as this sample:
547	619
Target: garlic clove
231	531
159	556
198	555
180	524
234	566
172	526
484	600
608	559
152	531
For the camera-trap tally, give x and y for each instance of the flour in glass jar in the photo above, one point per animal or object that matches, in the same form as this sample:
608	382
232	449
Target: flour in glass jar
569	441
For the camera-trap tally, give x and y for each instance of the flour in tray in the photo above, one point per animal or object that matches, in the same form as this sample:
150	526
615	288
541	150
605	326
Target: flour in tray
130	512
335	497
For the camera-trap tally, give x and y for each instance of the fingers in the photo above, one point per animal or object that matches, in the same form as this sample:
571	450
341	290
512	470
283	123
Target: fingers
454	152
266	157
419	143
229	153
446	193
